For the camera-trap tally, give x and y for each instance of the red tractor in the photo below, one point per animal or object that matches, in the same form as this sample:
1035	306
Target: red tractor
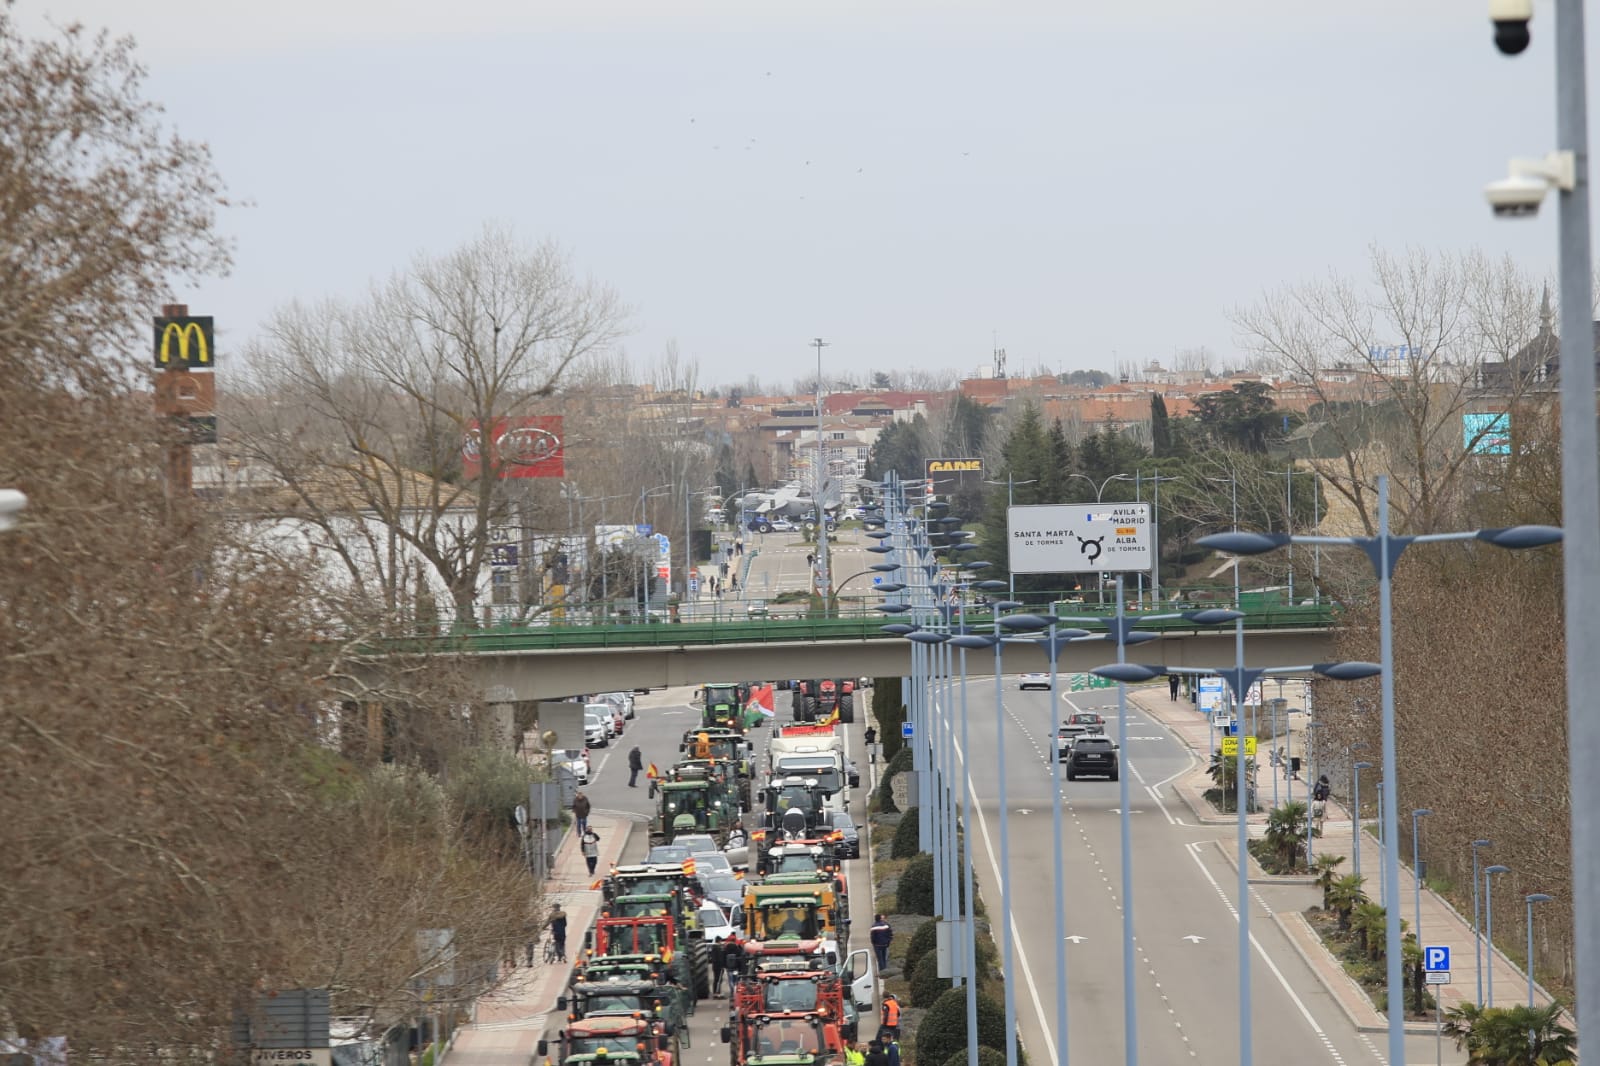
789	1037
817	700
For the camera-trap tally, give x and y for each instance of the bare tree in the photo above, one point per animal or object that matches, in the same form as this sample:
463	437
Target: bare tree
362	410
1392	366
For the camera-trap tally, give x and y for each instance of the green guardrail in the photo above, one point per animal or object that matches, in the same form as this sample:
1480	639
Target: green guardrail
856	627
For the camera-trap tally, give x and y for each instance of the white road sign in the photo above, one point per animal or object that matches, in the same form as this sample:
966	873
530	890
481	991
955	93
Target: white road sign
1080	538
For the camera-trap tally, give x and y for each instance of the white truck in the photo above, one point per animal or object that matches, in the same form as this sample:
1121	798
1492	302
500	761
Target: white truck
816	757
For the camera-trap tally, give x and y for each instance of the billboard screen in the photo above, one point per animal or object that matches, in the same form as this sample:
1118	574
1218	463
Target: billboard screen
1487	434
517	447
950	476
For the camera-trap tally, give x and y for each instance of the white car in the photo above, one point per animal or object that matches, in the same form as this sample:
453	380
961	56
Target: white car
597	728
576	760
1027	681
623	700
716	923
698	843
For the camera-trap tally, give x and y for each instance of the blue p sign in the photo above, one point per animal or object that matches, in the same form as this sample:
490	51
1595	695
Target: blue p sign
1436	958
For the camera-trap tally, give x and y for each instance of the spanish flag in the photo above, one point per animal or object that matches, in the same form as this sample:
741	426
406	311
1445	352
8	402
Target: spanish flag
688	866
652	773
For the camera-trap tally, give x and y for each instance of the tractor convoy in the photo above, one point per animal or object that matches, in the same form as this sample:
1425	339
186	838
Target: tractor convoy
796	993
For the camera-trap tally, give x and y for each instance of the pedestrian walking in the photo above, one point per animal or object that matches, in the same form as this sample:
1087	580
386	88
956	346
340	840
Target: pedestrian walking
733	961
635	766
871	737
722	571
591	848
580	812
558	933
882	935
1172	686
719	962
1319	800
811	560
733	583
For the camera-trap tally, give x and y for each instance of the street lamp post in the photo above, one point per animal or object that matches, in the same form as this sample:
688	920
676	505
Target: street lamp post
1531	899
1311	776
1416	869
1239	679
1010	501
1383	551
823	585
1477	917
1488	921
1355	821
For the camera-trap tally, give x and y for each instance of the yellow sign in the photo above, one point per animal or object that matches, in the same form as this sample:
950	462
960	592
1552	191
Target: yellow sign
1230	746
954	466
184	343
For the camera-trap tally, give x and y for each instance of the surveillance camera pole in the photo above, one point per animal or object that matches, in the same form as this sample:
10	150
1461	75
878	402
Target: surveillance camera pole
1580	493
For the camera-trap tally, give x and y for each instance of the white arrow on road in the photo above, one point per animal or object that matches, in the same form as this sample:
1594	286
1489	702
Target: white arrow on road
1075	938
1024	810
1191	938
1118	810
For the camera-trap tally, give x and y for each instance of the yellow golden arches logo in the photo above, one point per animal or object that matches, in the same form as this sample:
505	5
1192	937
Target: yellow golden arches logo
185	343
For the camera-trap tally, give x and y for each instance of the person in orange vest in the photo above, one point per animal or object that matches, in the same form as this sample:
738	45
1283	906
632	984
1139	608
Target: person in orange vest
889	1023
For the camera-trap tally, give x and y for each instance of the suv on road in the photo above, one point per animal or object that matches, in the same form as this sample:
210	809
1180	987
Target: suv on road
1093	755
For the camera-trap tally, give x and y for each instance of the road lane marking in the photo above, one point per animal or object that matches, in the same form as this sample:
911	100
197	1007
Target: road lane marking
1283	982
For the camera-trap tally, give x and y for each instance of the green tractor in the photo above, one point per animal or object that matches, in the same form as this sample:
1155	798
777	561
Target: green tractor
722	705
667	1005
692	800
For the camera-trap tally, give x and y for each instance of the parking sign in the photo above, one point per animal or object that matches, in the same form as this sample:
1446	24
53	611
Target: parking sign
1436	957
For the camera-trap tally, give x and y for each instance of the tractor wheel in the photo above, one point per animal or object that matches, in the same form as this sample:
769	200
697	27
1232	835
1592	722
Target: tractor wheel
700	968
808	713
797	700
847	708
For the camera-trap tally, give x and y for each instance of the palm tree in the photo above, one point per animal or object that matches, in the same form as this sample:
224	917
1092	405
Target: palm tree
1286	832
1224	772
1326	868
1370	920
1499	1036
1345	895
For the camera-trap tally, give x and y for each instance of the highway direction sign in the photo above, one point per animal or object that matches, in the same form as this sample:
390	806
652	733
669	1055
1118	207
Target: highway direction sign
1080	538
1230	746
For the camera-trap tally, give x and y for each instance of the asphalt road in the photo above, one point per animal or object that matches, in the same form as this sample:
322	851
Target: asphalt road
662	717
1186	975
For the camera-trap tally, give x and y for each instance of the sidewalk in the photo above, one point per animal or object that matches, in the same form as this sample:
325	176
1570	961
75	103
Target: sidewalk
509	1020
1441	923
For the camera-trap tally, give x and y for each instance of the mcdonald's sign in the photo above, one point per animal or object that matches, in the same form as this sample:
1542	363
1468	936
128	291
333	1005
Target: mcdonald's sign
185	343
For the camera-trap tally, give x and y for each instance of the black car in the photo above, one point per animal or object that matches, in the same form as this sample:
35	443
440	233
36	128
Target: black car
1093	755
850	846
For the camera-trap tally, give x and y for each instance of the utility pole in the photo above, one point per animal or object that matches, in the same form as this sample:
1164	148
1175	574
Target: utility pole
823	584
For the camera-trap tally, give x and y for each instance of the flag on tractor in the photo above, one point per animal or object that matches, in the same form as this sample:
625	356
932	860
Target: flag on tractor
652	773
688	866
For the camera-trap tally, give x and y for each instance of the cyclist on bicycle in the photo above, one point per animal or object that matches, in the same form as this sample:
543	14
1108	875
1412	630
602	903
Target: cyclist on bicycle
558	932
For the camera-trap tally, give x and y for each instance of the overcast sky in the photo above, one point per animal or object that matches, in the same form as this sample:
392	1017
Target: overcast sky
1083	182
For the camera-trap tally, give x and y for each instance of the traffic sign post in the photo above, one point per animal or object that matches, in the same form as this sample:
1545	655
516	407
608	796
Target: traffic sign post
907	731
1230	746
1436	963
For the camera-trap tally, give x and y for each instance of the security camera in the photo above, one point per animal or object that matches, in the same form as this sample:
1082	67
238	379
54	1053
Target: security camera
1520	194
11	503
1510	18
1515	196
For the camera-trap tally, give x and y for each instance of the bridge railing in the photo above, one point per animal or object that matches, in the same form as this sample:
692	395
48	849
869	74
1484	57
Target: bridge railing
732	622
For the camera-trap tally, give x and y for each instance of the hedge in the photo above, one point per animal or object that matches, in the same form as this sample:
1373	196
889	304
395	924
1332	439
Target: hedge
923	939
901	761
906	837
914	894
926	984
987	1056
943	1032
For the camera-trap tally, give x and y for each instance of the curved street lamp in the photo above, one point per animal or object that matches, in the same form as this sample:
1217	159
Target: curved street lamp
1383	551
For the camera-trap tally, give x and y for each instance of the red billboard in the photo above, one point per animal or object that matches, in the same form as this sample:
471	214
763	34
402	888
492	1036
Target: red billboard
517	447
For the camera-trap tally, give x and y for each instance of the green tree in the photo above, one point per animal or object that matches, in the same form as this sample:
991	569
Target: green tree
943	1031
1499	1036
1326	868
1345	895
1245	417
1286	832
1161	439
903	448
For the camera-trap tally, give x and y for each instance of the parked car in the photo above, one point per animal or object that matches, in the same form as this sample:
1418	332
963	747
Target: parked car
850	846
780	525
596	728
1093	754
1027	681
618	699
574	759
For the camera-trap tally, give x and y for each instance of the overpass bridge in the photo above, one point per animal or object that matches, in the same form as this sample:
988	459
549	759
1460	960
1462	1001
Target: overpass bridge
553	662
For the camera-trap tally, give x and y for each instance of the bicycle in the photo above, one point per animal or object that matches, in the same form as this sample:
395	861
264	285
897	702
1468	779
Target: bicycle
552	953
